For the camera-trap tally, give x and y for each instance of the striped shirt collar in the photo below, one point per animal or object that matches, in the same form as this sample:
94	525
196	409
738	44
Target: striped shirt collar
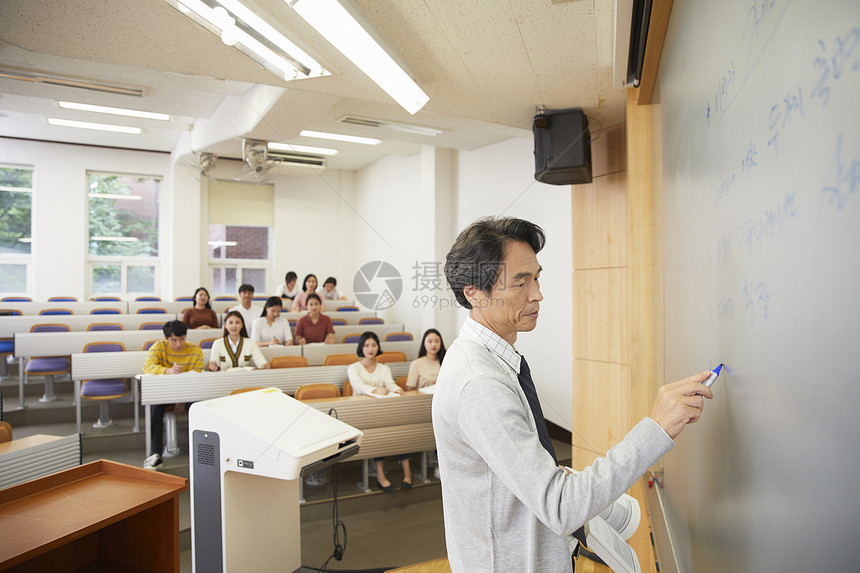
477	332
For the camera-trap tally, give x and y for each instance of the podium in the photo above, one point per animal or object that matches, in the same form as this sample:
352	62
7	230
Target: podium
102	516
248	452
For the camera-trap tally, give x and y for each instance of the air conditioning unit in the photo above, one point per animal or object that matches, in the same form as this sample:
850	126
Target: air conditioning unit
297	159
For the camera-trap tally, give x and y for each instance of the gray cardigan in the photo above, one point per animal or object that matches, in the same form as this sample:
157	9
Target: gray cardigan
508	507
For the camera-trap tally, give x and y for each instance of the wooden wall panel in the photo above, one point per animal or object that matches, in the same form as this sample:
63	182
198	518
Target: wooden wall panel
600	413
600	319
600	229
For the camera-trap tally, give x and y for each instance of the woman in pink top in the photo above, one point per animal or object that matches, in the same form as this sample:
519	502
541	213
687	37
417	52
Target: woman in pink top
309	287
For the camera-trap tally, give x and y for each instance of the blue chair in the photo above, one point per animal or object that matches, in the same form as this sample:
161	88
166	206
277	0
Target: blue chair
55	311
105	326
104	390
149	343
371	320
260	298
346	309
10	312
152	326
338	322
62	299
226	298
148	299
207	343
105	311
185	299
292	322
152	310
107	299
48	366
351	338
16	299
7	348
397	336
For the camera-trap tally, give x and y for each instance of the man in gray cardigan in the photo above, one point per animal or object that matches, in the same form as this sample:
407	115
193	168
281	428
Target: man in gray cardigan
508	506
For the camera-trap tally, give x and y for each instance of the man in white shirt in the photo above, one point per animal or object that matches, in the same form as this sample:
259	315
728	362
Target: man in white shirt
249	312
508	505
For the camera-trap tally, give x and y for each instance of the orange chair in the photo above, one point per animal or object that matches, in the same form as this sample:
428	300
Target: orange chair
5	432
311	391
397	336
393	356
347	389
289	362
242	390
340	360
401	381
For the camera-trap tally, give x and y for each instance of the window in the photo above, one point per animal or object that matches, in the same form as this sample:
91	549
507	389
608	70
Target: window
16	204
239	247
123	233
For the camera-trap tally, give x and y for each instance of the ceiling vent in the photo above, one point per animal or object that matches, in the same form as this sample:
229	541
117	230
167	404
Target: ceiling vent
297	159
393	126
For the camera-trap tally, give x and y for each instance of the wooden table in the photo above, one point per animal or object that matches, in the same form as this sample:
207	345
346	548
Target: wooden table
102	516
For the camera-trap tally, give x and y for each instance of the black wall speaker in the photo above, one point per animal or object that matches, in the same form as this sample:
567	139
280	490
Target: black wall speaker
562	147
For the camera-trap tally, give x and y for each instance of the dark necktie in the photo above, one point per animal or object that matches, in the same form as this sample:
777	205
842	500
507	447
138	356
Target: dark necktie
528	386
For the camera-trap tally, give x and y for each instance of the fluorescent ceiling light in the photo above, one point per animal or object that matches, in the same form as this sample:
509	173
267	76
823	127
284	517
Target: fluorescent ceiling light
113	110
117	239
340	137
301	148
223	243
338	26
96	126
115	196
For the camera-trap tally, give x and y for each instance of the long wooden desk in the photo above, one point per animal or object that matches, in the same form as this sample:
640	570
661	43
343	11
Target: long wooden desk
12	325
195	386
102	516
38	455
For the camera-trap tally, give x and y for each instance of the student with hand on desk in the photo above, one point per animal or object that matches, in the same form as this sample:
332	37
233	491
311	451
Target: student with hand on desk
235	349
173	355
369	377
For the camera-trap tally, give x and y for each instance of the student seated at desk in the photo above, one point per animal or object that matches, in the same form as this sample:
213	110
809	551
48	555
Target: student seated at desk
290	288
271	329
235	349
424	370
247	308
309	287
201	315
369	377
172	355
329	290
314	326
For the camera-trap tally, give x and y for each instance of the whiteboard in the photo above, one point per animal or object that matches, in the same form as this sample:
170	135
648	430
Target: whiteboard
760	123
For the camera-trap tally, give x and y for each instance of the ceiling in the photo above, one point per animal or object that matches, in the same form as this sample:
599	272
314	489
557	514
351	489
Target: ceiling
485	64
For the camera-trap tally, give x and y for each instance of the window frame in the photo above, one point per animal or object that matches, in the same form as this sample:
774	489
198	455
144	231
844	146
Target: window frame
25	259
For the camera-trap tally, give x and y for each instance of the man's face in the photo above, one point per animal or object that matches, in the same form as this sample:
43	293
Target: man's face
513	303
176	343
247	297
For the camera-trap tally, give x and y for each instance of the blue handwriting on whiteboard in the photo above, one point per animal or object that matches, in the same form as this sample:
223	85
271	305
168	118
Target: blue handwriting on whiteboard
756	299
847	178
750	160
782	113
842	57
754	231
723	86
722	190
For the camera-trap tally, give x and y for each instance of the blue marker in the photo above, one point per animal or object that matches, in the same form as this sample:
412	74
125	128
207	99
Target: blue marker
713	377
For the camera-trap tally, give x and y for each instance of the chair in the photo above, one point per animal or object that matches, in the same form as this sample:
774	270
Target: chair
398	336
16	299
340	360
260	298
149	343
107	299
289	362
52	311
401	381
151	326
392	356
371	320
148	299
104	390
48	366
292	322
338	322
226	298
185	299
5	431
243	390
207	342
105	326
351	338
10	312
152	310
312	391
62	299
105	311
347	389
346	309
7	348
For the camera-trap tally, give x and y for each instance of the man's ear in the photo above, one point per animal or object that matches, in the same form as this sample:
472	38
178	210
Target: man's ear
471	294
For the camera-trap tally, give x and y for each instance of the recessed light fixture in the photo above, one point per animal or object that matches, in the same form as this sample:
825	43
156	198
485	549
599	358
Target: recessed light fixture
25	240
115	196
340	137
223	243
113	110
116	239
301	148
96	126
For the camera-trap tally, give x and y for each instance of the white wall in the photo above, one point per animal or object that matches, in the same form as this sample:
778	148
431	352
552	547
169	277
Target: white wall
499	180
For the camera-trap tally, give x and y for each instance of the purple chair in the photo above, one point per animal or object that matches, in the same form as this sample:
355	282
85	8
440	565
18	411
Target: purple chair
105	311
206	343
106	299
104	326
152	326
62	299
48	366
351	338
397	336
16	299
104	390
346	309
54	311
371	320
338	322
148	299
152	310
